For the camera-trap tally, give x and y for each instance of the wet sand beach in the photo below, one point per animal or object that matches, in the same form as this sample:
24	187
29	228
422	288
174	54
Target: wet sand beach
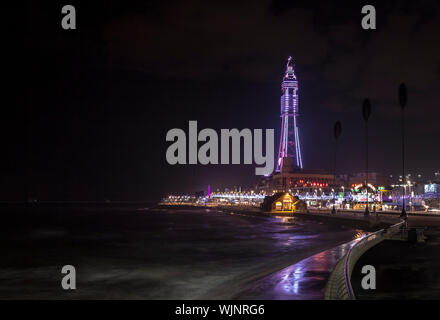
127	253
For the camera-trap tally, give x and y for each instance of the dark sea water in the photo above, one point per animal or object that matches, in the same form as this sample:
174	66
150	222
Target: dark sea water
133	253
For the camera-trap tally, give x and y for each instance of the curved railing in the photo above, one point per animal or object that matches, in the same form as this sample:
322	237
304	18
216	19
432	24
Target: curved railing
339	284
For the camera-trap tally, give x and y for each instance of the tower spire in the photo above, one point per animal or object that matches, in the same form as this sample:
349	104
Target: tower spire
290	73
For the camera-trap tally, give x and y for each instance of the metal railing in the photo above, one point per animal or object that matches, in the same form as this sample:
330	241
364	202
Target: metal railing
339	285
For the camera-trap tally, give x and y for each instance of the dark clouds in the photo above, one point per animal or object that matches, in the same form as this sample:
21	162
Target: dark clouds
193	40
103	97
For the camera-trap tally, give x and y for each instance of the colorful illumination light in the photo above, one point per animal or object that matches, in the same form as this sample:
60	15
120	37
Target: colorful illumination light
289	140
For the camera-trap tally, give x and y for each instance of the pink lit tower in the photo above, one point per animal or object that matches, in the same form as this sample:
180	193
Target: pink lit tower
289	155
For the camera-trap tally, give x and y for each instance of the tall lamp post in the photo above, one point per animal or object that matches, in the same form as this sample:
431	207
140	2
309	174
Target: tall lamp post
337	133
402	103
366	111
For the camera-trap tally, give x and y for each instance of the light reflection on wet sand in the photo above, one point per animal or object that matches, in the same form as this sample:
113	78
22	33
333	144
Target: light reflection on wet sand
305	280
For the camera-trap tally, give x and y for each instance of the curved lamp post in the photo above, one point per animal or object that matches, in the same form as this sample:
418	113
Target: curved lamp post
402	103
337	133
366	112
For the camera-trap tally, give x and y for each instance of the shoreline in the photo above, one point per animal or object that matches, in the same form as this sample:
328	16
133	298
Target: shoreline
373	222
353	220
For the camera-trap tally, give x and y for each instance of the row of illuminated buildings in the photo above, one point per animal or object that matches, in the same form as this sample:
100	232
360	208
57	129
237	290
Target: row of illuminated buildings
322	190
354	191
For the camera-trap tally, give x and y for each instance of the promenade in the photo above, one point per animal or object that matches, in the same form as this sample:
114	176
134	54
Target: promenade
415	219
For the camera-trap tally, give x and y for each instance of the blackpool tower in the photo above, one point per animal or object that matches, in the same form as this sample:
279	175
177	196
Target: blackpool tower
289	155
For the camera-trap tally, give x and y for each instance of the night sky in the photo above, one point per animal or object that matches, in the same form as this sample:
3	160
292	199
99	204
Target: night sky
100	99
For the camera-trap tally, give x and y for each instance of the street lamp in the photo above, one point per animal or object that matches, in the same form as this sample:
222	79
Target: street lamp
337	132
402	103
366	111
343	197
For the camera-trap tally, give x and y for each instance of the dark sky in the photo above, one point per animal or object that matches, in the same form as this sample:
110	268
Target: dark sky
100	99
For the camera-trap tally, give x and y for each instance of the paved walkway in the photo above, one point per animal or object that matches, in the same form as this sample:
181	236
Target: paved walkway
305	280
414	220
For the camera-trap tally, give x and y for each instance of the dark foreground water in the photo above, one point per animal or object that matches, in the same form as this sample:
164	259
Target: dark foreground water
126	253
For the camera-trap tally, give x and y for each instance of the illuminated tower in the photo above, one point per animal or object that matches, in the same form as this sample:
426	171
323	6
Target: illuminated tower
289	155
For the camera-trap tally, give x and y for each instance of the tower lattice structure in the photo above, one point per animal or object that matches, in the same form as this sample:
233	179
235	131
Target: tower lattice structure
289	155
